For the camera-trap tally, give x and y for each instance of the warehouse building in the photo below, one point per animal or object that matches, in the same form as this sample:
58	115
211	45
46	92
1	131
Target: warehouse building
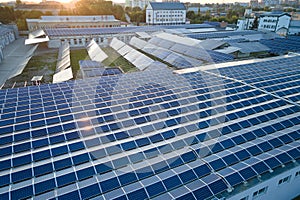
98	21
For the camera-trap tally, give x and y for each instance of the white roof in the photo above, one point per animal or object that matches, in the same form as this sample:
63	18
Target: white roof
143	35
95	52
62	76
36	40
37	33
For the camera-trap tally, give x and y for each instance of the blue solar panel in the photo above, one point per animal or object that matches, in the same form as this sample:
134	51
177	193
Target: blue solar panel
144	134
117	30
280	46
220	34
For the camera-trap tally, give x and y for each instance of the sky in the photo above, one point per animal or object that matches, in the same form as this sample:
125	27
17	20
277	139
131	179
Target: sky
123	1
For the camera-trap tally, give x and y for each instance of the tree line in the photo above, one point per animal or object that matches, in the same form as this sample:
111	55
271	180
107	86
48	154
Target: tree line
231	13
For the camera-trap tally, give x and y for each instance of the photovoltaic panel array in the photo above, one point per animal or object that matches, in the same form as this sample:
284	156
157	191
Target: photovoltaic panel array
272	76
221	34
63	66
196	51
116	44
150	134
186	56
63	60
173	58
95	52
280	46
138	59
57	32
86	64
89	69
137	43
250	47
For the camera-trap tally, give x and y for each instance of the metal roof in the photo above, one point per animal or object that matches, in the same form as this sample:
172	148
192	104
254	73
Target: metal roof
250	47
167	6
115	30
151	134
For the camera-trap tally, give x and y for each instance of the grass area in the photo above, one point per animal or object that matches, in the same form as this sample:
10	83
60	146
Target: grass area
76	55
116	60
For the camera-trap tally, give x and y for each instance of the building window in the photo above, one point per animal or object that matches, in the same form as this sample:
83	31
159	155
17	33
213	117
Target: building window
260	192
284	180
245	198
297	174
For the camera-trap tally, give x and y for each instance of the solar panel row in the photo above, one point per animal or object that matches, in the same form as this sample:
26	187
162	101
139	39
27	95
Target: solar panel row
150	134
95	52
53	32
196	52
63	60
138	59
63	70
280	46
221	34
179	55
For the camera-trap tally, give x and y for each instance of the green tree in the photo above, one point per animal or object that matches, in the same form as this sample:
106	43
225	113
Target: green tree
7	15
128	9
267	8
33	14
136	9
98	7
190	14
119	12
48	13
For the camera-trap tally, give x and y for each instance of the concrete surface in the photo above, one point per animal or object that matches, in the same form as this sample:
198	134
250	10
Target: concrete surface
16	57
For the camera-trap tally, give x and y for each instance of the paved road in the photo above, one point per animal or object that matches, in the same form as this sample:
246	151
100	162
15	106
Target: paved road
16	57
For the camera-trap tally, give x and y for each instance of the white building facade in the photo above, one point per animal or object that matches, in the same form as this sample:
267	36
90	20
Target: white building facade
244	24
275	22
270	2
284	185
166	13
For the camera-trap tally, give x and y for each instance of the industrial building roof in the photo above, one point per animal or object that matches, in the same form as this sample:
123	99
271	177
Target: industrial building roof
167	6
151	134
54	32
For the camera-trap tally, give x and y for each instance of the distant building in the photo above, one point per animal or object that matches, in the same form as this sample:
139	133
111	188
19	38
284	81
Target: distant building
165	13
270	2
254	3
196	9
244	24
276	22
72	22
291	2
45	6
243	4
136	3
